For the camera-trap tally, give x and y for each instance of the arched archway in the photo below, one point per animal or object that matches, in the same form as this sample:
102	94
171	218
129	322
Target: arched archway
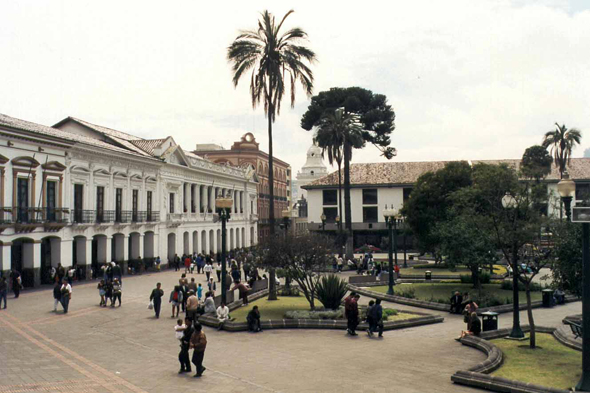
134	246
148	246
251	236
186	249
99	253
231	239
22	256
50	256
211	241
80	257
204	248
195	241
171	247
243	238
218	249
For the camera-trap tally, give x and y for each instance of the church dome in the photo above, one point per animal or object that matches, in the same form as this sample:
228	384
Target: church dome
314	151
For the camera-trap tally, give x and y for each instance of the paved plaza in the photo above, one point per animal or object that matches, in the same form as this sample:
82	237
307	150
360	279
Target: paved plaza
93	349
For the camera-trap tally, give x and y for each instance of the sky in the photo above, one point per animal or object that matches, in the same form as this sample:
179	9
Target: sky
467	79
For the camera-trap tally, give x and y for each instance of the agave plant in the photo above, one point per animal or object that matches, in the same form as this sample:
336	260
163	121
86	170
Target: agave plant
330	291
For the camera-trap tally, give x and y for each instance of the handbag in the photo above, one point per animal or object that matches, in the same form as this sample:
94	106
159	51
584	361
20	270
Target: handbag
151	305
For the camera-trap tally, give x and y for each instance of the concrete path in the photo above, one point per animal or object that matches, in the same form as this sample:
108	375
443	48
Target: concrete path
93	349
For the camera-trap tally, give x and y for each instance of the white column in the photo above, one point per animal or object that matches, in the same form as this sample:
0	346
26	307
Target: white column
140	246
5	262
108	249
198	198
36	254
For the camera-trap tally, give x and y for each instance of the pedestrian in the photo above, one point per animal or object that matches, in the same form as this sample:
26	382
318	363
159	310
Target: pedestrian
175	262
192	286
235	274
108	289
212	286
222	315
351	312
208	269
456	301
396	270
116	292
375	317
56	295
16	282
179	329
187	264
176	300
192	304
199	343
218	271
183	282
243	292
71	274
66	295
340	263
102	293
61	272
199	292
158	261
117	273
209	303
183	356
253	320
470	309
3	291
156	298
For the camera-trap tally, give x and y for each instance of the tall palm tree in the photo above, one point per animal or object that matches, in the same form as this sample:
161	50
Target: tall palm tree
343	132
562	142
274	57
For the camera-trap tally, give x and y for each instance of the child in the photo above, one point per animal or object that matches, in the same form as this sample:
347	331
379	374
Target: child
199	292
212	286
102	293
179	329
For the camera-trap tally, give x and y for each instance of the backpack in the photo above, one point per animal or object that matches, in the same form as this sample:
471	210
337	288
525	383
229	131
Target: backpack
175	296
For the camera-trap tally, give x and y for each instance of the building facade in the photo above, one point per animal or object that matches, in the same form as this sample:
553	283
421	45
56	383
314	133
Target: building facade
246	154
81	195
377	185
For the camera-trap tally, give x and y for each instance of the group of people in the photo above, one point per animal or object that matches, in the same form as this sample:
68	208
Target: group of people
464	304
374	316
365	265
191	336
62	294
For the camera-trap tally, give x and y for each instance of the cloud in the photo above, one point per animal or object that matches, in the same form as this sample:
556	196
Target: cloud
467	79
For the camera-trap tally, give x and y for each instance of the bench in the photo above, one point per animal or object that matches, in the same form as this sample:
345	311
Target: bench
576	329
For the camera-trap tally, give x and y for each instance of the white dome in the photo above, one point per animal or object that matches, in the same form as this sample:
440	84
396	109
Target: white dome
314	151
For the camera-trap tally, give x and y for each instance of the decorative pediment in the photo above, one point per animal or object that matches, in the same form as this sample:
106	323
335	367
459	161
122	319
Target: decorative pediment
177	157
3	160
80	169
23	161
121	174
136	176
151	179
101	172
54	166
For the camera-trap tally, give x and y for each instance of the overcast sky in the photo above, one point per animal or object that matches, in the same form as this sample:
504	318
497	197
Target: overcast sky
467	79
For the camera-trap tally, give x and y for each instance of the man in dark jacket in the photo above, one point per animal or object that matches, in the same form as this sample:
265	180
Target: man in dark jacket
183	358
351	311
156	298
375	317
456	301
199	343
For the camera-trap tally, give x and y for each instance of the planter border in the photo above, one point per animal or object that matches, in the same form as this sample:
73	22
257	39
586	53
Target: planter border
231	326
478	375
445	307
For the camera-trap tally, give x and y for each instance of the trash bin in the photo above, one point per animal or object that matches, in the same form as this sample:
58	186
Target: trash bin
489	321
547	298
428	275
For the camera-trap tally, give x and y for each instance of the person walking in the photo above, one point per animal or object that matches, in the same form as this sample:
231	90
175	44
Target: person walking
16	282
156	298
192	304
218	271
198	342
185	341
3	291
211	286
351	312
375	318
208	269
176	300
66	295
102	293
117	291
56	295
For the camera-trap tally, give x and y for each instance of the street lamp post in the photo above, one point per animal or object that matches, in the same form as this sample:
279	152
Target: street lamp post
509	202
405	252
338	223
323	218
567	189
390	219
286	221
223	206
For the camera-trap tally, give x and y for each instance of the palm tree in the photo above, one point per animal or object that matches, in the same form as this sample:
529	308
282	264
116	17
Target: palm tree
338	133
562	142
273	57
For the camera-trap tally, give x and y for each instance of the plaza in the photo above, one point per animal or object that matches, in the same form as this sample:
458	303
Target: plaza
93	349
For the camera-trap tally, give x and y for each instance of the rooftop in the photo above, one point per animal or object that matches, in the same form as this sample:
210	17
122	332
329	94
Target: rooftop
388	173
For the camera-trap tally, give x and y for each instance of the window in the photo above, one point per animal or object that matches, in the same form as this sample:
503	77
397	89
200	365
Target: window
407	192
22	197
149	205
370	214
118	204
330	197
171	202
134	204
583	192
50	202
370	196
331	213
78	202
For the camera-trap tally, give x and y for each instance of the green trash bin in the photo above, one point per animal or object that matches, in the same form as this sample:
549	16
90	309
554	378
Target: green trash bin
547	298
428	275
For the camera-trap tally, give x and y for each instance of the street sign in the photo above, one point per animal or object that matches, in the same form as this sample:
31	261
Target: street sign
581	214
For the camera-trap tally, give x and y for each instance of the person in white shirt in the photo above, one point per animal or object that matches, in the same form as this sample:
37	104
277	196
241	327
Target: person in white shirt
208	269
66	295
222	315
71	273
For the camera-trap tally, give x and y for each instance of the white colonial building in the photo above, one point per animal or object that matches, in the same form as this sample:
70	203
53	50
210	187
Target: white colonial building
81	194
375	185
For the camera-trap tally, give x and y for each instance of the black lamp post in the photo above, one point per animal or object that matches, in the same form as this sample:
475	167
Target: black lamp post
323	218
405	252
338	223
567	188
223	207
509	202
390	221
286	221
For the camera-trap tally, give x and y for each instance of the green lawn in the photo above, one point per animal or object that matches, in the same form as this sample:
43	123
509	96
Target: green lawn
276	309
444	291
550	364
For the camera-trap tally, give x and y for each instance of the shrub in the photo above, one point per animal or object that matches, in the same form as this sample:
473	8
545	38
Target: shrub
291	291
488	300
430	266
316	314
484	278
409	293
507	285
466	279
330	291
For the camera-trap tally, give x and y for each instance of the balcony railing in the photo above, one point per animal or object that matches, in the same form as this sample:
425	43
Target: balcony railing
33	215
145	216
117	216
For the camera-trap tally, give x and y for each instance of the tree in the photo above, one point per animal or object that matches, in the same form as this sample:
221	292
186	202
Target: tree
371	112
330	135
567	256
536	163
272	56
302	258
429	203
562	142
